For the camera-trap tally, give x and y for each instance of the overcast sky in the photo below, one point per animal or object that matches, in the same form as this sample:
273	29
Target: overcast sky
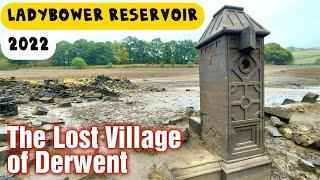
291	22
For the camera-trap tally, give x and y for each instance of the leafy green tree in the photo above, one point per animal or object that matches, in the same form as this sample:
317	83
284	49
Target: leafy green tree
5	65
275	54
62	55
79	63
156	51
103	53
121	53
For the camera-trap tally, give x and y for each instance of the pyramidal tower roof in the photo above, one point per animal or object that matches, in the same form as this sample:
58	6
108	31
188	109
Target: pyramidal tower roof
229	20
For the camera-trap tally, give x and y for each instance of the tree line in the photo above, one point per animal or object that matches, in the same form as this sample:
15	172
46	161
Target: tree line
130	50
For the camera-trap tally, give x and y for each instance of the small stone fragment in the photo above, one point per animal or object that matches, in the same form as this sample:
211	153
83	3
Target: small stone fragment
65	104
190	111
276	122
40	110
286	132
47	100
273	131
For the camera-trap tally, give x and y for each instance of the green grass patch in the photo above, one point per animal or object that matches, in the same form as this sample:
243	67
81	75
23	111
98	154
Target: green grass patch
308	56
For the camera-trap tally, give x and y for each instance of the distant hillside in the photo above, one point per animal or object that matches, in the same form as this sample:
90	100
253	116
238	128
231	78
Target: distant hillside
306	56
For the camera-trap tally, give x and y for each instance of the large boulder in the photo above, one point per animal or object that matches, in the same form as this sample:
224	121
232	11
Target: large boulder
8	106
310	98
282	113
303	139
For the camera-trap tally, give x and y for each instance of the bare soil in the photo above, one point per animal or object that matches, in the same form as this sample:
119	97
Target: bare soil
275	76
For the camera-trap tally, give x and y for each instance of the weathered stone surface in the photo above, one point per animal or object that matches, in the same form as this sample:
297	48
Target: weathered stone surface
310	97
175	121
6	177
286	132
102	79
306	164
65	104
282	113
190	111
276	122
316	145
111	99
302	139
288	101
40	110
195	124
161	171
273	131
47	100
93	95
50	121
8	107
22	101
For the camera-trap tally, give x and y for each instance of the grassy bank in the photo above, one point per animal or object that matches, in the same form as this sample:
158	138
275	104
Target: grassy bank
307	56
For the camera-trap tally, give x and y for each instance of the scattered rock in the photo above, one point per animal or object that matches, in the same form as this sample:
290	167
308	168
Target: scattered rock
175	121
22	101
6	177
93	95
78	101
306	164
47	100
282	113
65	104
288	101
310	97
40	110
273	131
50	121
8	107
50	82
161	171
190	111
286	132
303	128
102	79
302	139
276	122
35	123
111	98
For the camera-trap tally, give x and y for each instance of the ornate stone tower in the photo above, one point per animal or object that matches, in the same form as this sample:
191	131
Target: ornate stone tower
232	90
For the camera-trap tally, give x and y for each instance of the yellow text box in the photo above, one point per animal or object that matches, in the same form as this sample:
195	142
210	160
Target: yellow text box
99	16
